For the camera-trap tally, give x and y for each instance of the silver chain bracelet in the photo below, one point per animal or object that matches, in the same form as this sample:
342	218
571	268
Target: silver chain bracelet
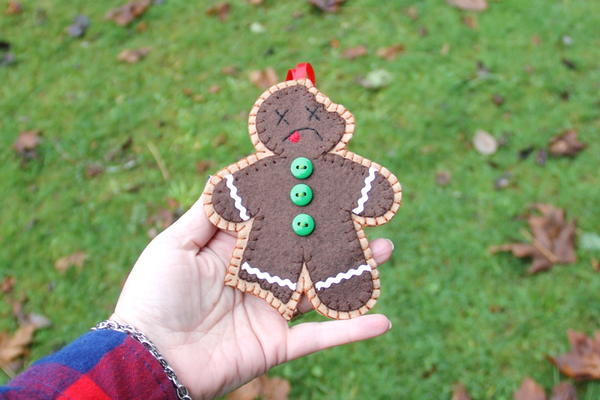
182	392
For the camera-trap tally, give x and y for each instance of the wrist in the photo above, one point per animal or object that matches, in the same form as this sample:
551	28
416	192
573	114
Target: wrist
117	324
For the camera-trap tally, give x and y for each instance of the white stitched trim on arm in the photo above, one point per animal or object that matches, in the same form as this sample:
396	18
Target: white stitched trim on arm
236	198
342	276
267	277
364	192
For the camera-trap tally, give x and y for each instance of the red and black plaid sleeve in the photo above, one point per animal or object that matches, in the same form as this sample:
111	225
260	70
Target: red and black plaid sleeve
99	365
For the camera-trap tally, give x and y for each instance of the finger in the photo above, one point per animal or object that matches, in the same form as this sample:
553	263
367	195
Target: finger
382	250
311	337
193	229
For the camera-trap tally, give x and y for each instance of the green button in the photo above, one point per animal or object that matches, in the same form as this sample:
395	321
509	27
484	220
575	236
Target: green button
301	168
303	224
301	194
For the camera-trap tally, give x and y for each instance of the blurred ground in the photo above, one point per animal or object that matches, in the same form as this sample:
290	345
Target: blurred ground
123	146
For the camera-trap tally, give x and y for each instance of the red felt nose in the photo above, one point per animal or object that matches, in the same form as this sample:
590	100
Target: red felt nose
294	137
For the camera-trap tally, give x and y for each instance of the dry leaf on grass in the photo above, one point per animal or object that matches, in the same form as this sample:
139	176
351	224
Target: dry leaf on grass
469	5
93	170
26	144
164	217
220	10
530	390
125	14
553	240
229	70
564	391
203	166
76	259
470	21
14	7
353	53
15	345
391	52
485	143
264	78
7	284
566	144
133	56
263	387
330	6
443	178
583	361
460	392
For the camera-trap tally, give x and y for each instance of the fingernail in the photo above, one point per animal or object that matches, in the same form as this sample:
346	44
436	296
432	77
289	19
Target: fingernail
390	327
391	244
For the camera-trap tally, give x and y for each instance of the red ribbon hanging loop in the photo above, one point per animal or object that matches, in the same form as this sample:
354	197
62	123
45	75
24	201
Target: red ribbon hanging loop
301	71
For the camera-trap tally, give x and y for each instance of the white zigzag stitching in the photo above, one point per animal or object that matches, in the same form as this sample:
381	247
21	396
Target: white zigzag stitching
341	276
271	279
365	191
237	199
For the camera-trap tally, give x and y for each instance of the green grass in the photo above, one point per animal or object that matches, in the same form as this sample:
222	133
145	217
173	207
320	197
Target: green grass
441	284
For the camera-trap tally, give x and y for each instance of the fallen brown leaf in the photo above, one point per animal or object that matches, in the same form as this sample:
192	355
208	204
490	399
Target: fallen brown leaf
220	10
497	99
133	56
76	259
214	89
443	178
353	53
596	265
15	345
125	14
141	27
14	7
391	52
263	387
412	12
469	5
530	390
203	166
566	144
93	170
330	6
27	143
583	361
7	284
470	21
460	392
553	240
229	70
264	78
564	391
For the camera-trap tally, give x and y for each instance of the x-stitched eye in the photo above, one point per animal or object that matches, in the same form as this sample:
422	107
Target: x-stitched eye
313	113
282	116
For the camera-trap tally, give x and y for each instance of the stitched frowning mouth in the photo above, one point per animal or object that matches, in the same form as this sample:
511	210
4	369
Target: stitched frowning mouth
296	133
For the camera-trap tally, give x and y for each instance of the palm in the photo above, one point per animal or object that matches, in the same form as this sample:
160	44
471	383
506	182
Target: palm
216	337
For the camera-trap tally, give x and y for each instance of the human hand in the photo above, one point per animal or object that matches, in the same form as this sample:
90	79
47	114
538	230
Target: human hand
215	337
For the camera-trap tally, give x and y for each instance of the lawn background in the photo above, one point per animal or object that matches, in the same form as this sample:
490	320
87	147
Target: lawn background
459	313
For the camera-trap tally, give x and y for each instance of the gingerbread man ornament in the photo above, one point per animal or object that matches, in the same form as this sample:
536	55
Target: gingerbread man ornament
300	202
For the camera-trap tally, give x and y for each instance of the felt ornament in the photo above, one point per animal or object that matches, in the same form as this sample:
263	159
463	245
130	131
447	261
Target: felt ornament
299	204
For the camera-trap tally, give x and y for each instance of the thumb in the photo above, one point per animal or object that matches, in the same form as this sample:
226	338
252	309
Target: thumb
310	337
193	229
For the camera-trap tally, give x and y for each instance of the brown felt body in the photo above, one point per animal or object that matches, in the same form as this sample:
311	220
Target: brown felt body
263	181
